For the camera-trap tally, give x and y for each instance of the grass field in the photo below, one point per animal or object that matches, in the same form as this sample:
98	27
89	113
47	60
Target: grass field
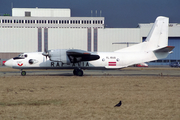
89	97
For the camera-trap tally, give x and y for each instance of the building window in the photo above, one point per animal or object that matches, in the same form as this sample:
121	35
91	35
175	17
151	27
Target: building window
159	61
94	21
166	61
50	21
39	39
172	60
89	39
27	14
95	40
46	38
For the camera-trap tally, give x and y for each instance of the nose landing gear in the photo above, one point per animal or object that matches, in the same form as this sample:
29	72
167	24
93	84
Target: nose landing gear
23	73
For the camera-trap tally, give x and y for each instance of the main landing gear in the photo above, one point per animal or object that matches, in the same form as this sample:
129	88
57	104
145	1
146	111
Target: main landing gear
78	72
23	73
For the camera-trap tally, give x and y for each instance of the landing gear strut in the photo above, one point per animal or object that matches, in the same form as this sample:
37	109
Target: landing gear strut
23	73
78	72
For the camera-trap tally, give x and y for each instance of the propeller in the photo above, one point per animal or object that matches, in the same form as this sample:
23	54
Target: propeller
46	53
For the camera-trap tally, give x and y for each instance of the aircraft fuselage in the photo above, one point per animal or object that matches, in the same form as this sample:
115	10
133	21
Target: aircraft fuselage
107	60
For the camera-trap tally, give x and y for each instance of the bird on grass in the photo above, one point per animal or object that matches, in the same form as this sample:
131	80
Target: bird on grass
119	104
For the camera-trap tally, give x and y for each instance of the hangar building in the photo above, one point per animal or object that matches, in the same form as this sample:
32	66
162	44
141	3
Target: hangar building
36	29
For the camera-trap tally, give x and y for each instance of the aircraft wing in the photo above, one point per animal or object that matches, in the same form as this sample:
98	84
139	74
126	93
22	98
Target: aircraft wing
76	55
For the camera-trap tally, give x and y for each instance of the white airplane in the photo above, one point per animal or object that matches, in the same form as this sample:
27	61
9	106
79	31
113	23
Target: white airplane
155	47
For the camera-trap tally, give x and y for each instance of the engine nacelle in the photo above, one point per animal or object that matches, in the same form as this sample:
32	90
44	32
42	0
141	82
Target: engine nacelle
59	55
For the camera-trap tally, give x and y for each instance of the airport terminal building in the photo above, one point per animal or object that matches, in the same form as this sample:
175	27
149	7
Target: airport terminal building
36	29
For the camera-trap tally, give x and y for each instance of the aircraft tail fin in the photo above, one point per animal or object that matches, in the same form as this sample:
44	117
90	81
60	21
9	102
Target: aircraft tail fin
156	39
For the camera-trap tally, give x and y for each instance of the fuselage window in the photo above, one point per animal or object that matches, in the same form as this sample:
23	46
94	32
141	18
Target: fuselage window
117	59
25	55
103	59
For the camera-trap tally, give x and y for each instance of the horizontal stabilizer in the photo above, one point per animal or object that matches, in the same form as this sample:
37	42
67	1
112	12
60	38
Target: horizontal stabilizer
165	49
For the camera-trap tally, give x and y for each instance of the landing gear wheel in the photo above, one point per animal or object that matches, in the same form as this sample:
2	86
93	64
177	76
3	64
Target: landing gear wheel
23	73
78	72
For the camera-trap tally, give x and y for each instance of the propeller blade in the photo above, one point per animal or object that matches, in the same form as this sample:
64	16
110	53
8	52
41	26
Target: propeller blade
46	53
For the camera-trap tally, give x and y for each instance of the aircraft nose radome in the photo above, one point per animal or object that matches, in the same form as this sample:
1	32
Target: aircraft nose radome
9	63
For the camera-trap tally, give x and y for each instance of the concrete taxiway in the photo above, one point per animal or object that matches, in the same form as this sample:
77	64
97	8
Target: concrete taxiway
130	71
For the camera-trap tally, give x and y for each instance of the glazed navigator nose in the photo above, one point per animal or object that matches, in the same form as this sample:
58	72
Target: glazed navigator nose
9	63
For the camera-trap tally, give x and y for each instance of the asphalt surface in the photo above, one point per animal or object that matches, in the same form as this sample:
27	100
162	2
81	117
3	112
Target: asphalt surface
131	71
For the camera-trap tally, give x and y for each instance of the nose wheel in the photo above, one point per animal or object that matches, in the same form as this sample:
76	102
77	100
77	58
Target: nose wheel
78	72
23	73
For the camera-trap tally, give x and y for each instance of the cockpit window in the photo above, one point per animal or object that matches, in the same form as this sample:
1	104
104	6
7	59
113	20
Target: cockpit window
21	56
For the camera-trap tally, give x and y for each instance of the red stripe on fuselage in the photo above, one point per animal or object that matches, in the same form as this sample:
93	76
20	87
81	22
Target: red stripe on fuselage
112	63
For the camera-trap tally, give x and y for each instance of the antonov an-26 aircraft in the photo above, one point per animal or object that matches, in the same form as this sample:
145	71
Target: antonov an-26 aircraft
155	47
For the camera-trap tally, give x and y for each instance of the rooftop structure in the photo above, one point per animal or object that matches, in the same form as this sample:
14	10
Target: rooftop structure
48	18
40	12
